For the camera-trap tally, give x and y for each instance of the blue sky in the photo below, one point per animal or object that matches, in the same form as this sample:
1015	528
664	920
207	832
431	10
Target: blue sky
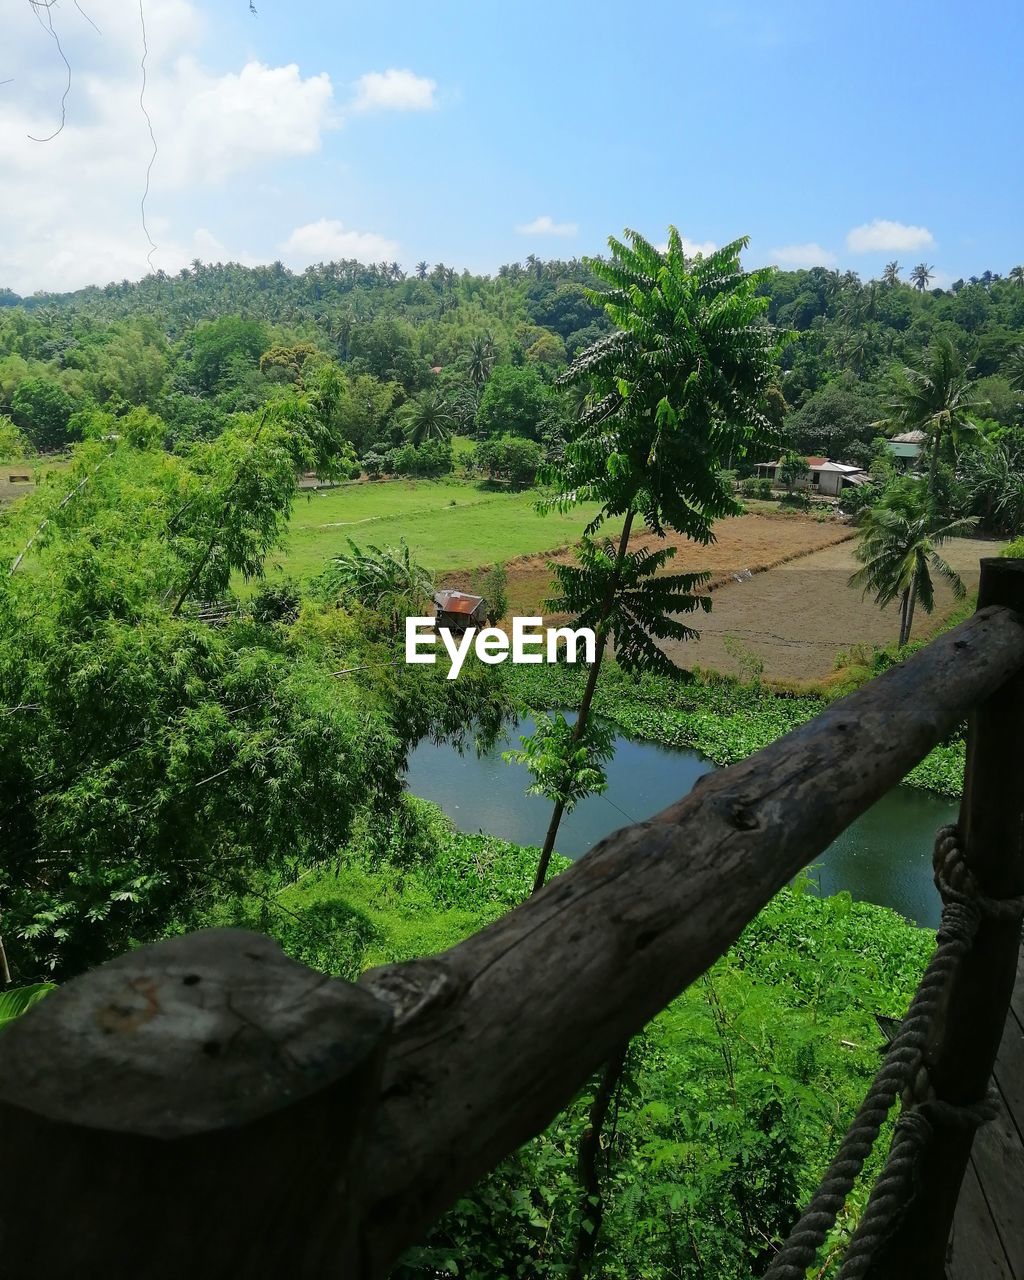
476	133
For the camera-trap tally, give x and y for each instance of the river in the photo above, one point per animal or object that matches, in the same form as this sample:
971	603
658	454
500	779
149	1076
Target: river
884	857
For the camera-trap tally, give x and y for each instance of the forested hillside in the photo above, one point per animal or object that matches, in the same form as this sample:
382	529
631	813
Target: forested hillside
436	351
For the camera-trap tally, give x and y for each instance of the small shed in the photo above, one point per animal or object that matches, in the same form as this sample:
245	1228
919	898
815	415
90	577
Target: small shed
906	447
458	610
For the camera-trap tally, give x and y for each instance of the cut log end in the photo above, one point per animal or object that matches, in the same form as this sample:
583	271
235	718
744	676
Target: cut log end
190	1035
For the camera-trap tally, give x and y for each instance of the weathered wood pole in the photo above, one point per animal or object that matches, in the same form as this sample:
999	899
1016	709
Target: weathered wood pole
195	1108
963	1050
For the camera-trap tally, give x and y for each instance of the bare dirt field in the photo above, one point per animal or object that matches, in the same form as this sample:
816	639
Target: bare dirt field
744	544
796	618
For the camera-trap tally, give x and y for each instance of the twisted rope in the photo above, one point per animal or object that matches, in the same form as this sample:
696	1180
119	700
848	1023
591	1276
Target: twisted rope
901	1072
897	1182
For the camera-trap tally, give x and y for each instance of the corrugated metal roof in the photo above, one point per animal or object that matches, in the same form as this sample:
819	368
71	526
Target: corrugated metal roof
457	601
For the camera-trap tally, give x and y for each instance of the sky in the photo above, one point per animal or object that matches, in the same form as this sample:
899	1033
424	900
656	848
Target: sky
475	132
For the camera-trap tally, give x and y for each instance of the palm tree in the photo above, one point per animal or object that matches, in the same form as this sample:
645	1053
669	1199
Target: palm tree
480	358
891	274
897	551
421	270
1016	275
937	399
428	417
921	275
1015	373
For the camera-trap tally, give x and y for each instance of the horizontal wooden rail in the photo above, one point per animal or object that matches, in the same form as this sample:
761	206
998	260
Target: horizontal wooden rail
476	1049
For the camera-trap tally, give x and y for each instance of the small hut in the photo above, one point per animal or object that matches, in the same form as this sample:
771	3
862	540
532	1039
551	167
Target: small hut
456	610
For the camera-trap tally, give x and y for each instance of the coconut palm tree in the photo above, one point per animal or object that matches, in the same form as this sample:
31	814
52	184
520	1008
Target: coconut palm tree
937	399
428	417
1016	276
421	270
921	275
891	274
480	358
897	552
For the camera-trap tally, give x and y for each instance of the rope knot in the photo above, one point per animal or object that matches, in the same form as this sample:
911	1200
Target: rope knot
958	887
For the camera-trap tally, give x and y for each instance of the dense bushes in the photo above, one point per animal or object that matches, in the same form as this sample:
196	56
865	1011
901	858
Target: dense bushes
732	1099
509	458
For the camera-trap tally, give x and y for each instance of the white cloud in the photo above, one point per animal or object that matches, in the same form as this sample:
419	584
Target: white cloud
394	90
70	212
545	225
802	256
883	236
328	240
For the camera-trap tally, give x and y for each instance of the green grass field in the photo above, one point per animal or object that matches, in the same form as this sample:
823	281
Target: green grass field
449	525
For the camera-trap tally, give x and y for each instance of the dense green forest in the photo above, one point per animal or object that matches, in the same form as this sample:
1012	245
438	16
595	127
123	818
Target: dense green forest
436	352
175	753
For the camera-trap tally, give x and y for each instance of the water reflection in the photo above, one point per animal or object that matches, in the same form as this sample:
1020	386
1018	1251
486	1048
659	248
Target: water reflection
884	857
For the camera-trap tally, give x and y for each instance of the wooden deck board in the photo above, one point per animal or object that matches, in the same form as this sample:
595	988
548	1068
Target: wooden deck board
975	1251
988	1231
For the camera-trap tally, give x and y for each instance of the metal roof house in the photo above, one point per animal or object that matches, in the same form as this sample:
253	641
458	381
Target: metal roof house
907	446
822	476
457	610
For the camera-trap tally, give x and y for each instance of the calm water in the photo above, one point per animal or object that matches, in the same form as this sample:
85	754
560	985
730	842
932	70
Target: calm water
885	857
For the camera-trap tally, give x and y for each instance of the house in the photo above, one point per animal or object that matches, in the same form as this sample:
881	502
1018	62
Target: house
822	476
906	448
457	610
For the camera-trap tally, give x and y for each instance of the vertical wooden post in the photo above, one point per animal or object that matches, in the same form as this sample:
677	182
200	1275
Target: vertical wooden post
963	1049
193	1108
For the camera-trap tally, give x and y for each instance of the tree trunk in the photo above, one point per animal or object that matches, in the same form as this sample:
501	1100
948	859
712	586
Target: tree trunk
591	1203
904	605
936	442
910	611
583	714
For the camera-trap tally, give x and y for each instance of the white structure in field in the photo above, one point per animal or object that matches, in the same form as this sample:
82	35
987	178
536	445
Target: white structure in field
822	476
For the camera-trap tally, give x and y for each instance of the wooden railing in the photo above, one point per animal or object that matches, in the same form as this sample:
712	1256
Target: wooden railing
207	1107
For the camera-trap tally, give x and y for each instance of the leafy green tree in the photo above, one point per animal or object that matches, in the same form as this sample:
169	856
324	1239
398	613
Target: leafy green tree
677	389
513	403
13	444
792	470
898	552
42	410
223	349
938	398
509	458
841	413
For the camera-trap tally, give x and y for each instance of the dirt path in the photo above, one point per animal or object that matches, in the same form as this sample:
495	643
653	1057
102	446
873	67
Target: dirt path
797	617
